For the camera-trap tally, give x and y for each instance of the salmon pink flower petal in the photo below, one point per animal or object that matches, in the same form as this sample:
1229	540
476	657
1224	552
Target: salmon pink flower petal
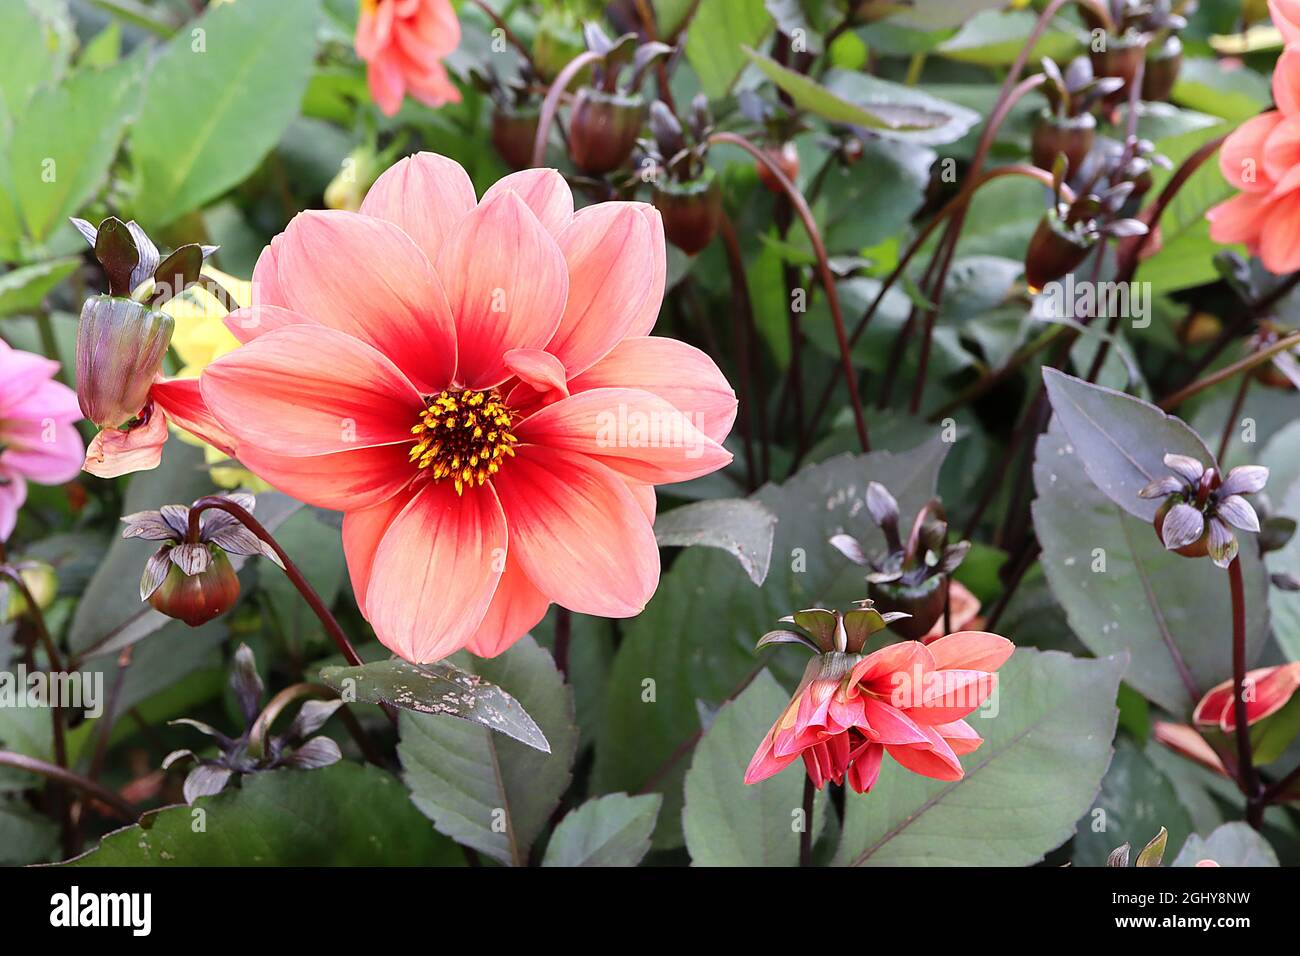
366	277
1239	219
1286	81
884	671
359	478
865	769
1286	17
540	370
886	724
679	373
971	650
934	759
426	195
507	284
634	432
578	532
617	266
49	450
950	695
516	608
266	276
1243	158
545	192
305	390
645	497
113	453
363	530
1279	239
436	570
1281	148
960	736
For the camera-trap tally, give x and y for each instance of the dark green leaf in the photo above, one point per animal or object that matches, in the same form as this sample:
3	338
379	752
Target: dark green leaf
613	830
442	689
742	527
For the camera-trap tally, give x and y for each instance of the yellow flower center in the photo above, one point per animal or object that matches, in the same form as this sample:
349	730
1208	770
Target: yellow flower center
463	436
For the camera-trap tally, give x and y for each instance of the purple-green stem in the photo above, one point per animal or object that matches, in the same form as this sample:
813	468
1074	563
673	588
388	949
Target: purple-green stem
823	270
551	105
805	835
66	777
1246	775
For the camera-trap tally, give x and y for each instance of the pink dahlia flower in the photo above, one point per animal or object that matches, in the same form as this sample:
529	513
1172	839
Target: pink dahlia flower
474	386
1262	159
907	699
37	439
403	43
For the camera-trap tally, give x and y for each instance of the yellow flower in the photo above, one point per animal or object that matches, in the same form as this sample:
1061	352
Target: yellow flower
199	340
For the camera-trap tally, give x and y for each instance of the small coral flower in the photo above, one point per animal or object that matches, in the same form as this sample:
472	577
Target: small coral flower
473	385
907	699
37	437
403	43
1260	159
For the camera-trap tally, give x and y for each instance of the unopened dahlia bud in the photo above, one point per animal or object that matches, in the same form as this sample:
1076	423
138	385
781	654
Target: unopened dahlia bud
1054	250
196	596
786	158
193	581
603	128
1272	712
911	578
513	133
120	348
692	211
357	173
1201	507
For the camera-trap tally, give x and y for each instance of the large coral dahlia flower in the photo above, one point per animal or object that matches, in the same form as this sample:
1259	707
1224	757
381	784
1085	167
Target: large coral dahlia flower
474	386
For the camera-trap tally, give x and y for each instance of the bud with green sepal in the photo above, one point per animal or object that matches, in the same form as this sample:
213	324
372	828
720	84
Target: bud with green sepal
910	577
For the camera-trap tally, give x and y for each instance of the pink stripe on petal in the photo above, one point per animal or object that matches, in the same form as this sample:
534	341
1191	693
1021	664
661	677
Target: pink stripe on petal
578	533
426	195
366	277
506	282
636	433
310	391
679	373
613	251
544	191
436	570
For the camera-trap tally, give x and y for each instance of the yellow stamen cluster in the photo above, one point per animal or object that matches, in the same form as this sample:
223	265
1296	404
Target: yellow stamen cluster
463	436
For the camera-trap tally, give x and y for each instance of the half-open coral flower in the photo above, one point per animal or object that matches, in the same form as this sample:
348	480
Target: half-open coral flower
37	440
472	383
907	699
403	43
1262	159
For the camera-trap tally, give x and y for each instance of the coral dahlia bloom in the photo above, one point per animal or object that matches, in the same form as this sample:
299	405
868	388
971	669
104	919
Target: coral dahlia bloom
474	386
907	699
37	440
1262	159
403	43
1286	17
